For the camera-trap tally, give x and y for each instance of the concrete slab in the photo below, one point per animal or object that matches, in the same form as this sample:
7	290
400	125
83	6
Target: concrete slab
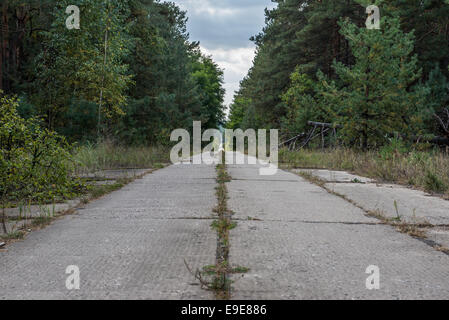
334	176
282	201
122	252
413	205
439	235
294	260
305	243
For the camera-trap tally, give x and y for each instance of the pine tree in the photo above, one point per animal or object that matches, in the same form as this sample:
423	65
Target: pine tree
375	96
429	22
298	33
437	100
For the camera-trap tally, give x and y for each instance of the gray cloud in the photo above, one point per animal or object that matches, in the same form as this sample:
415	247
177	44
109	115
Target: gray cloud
223	28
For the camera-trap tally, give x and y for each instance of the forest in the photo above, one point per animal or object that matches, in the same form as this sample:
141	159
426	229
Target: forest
103	96
130	73
108	95
317	61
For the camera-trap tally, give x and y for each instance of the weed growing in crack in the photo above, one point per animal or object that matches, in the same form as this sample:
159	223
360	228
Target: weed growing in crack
216	277
15	235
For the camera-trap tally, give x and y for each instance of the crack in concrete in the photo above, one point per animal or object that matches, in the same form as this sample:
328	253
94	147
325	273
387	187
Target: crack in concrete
319	222
430	226
434	245
265	180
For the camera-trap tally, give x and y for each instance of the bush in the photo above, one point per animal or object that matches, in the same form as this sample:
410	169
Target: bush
395	148
35	163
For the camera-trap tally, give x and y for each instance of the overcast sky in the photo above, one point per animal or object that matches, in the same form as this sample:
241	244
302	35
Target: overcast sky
223	28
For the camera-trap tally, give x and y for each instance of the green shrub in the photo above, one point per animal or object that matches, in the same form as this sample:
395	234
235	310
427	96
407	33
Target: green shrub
35	163
434	184
395	148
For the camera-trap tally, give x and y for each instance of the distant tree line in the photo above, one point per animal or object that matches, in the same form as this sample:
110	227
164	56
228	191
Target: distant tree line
317	61
130	73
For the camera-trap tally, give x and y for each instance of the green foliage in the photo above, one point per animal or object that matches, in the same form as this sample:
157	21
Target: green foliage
175	84
437	101
238	110
428	20
298	33
434	184
130	72
34	162
395	148
209	81
80	121
306	101
374	100
311	67
87	64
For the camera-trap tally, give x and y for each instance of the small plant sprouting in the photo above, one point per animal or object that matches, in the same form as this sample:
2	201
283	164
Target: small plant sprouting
398	216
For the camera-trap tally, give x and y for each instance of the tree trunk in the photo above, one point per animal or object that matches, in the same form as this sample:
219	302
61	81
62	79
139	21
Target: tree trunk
1	66
102	80
22	20
365	125
366	111
4	44
4	219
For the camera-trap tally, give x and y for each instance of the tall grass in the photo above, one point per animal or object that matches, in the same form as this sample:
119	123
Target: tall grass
424	170
104	156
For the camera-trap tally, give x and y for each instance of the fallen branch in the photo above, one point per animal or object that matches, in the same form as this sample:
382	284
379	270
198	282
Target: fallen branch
440	120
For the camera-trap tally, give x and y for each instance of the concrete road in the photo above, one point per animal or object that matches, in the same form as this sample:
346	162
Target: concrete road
299	241
130	244
302	242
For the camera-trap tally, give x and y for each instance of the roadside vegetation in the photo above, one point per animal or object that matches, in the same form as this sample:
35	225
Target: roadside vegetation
380	97
34	162
425	170
90	158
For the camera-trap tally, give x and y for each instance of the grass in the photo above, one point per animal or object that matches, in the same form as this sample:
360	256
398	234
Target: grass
240	270
97	191
222	226
42	221
427	171
107	156
221	283
216	277
15	235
